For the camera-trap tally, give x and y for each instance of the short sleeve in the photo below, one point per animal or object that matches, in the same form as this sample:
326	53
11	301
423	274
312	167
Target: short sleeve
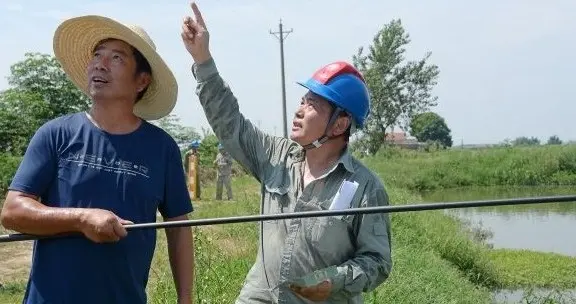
38	167
176	200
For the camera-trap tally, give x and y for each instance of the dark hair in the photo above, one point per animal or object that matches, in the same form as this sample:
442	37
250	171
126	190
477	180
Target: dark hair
142	66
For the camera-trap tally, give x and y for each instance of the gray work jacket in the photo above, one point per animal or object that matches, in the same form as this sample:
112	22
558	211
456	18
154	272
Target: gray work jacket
359	245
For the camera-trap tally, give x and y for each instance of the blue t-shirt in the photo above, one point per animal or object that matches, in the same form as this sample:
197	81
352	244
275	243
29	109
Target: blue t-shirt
71	163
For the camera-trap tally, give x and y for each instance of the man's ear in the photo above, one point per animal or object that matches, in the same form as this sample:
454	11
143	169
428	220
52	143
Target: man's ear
341	125
144	80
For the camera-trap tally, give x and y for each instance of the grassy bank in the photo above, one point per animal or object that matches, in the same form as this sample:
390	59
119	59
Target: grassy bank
520	166
520	268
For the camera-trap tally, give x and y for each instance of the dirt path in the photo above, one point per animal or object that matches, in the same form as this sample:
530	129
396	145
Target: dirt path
15	260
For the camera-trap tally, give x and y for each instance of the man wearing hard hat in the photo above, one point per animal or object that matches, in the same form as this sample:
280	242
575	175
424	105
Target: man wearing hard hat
321	259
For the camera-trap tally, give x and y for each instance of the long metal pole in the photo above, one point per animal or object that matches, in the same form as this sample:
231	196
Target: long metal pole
281	37
365	210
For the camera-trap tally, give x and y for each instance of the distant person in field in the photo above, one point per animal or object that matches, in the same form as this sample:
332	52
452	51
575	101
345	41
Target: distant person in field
223	164
321	259
94	172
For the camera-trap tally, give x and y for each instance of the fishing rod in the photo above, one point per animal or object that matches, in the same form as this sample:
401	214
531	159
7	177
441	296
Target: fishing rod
351	211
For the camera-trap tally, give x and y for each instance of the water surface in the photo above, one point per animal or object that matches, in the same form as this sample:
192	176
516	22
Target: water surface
547	227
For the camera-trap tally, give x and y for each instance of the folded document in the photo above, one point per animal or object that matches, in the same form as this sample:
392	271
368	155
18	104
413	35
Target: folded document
344	195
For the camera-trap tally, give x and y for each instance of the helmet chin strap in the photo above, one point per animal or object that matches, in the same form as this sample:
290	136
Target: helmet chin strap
324	138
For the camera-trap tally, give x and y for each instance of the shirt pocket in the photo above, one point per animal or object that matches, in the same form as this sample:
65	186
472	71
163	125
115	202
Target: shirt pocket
276	200
332	238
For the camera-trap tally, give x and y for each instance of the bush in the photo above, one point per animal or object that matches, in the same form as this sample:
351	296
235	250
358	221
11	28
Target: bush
8	166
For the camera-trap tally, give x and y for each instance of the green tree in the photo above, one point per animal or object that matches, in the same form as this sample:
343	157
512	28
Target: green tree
39	91
208	149
399	89
525	141
41	74
181	134
431	127
21	113
554	140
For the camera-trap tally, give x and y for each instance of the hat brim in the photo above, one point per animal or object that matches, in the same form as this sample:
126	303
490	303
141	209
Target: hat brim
321	90
74	42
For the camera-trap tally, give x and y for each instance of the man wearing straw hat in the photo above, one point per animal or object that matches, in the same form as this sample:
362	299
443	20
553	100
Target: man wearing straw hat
93	172
321	259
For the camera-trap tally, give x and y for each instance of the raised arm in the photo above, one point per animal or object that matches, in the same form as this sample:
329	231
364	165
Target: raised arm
246	144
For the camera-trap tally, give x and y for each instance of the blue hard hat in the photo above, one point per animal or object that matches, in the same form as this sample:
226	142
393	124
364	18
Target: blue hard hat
343	85
195	144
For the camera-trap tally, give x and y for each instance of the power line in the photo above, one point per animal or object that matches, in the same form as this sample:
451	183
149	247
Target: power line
352	211
281	38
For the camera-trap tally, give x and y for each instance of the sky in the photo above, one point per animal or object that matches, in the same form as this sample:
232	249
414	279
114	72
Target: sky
505	66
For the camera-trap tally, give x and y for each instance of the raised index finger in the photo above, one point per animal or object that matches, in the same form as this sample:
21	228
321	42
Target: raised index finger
198	15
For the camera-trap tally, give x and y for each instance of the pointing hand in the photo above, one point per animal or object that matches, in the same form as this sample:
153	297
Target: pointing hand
195	36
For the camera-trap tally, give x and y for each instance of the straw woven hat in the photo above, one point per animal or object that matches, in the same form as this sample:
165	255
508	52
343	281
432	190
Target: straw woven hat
75	39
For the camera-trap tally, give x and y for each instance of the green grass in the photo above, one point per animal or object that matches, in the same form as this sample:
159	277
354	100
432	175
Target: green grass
521	166
422	276
520	268
12	292
223	253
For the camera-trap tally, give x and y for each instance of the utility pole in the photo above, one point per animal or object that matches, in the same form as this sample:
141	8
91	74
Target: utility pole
281	37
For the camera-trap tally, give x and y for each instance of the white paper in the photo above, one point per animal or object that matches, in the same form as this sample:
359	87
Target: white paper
344	195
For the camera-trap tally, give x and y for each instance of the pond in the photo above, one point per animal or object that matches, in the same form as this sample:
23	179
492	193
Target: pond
547	227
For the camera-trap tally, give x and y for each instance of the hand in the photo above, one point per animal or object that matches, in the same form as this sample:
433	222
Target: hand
317	293
101	226
195	36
